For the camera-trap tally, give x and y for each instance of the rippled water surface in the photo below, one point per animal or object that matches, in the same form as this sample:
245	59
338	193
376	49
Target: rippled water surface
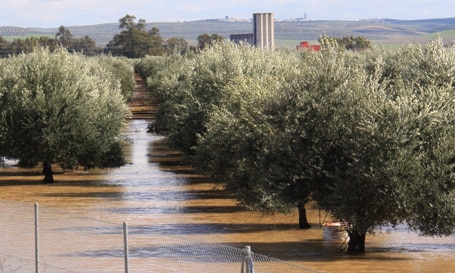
156	190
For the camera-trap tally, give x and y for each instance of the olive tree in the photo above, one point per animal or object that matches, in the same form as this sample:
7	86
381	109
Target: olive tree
392	160
187	91
395	165
205	40
359	43
176	45
60	108
123	69
212	106
369	149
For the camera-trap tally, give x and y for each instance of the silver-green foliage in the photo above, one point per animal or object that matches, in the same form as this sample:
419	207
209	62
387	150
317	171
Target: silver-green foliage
239	138
398	155
122	68
165	78
193	87
368	135
60	108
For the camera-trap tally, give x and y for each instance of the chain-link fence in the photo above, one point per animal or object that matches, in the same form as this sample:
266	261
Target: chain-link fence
44	240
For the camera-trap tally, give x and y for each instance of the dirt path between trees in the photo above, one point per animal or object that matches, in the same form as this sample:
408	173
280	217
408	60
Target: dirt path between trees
141	105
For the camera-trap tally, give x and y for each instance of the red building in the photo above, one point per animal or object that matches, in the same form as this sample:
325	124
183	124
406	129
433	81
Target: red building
306	45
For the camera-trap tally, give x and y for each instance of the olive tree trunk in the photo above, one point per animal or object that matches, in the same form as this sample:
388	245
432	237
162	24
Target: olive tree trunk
356	241
303	221
47	172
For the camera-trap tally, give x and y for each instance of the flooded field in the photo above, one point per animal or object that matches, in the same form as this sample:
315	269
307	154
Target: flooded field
154	190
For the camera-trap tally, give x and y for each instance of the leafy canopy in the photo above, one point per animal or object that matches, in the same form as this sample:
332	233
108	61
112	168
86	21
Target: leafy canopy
134	41
367	135
60	108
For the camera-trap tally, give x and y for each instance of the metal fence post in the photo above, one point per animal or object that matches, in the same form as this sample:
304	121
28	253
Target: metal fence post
247	264
125	245
36	239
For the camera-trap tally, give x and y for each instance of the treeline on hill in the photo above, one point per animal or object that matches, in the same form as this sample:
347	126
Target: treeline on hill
368	136
134	41
63	38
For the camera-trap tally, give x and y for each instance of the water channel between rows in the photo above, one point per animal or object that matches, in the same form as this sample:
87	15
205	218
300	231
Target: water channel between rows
154	188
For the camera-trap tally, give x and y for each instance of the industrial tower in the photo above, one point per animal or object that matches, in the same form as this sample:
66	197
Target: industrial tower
264	32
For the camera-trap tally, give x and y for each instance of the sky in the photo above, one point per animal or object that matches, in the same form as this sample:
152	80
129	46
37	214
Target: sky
55	13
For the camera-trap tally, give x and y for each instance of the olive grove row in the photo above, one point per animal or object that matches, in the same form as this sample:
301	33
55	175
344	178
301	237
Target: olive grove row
368	136
65	109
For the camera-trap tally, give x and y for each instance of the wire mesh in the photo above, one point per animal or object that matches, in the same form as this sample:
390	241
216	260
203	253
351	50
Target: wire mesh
69	242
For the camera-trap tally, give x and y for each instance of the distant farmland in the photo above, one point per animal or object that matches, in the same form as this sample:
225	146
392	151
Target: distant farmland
287	33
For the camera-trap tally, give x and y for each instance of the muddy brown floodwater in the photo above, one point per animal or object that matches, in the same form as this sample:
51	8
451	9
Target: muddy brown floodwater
155	188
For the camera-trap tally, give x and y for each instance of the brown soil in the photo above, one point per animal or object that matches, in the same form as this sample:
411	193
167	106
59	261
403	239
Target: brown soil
142	106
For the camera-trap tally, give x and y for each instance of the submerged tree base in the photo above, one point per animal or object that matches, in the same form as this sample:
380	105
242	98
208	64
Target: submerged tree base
48	174
356	242
303	221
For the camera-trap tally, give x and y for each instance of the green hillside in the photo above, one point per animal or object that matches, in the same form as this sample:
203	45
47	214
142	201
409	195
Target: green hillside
386	31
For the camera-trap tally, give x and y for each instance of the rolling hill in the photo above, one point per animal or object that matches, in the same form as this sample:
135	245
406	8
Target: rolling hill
287	32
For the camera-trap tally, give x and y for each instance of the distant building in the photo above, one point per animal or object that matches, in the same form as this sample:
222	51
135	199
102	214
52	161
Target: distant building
264	30
307	46
242	38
